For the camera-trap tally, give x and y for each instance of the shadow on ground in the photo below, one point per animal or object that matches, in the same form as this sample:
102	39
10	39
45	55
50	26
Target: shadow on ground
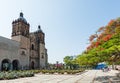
108	79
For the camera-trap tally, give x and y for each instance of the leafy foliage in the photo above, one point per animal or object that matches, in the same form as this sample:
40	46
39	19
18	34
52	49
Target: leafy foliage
70	62
104	46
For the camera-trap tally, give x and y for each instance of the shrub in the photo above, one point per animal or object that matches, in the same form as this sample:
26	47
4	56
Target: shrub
15	74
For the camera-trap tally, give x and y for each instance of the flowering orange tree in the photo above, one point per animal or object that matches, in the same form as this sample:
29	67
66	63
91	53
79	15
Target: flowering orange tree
101	44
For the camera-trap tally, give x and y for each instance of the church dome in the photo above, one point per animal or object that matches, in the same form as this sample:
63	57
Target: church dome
22	18
39	29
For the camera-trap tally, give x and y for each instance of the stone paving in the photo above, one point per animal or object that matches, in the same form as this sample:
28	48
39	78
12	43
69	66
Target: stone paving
91	76
107	77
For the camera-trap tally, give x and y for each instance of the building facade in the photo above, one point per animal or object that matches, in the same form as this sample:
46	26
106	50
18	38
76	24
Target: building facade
24	50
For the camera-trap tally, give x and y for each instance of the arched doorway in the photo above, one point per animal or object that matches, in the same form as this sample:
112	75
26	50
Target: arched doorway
15	64
32	65
5	65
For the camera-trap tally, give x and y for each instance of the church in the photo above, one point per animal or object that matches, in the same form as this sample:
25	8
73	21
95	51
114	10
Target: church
25	49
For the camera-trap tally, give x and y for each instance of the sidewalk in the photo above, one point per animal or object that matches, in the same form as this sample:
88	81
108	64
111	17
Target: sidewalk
91	76
106	77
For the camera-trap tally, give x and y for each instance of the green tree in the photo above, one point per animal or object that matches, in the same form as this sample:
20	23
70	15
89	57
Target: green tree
68	61
117	30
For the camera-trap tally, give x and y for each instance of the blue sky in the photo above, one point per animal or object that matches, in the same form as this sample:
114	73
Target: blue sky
67	23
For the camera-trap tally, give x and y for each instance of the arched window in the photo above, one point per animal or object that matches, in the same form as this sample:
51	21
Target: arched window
22	33
32	65
42	56
32	47
23	53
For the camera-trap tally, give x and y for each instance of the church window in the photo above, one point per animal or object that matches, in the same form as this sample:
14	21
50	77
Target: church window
22	33
23	53
42	56
32	47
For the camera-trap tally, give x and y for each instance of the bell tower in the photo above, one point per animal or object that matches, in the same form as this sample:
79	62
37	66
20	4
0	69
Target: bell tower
20	33
20	27
41	47
41	35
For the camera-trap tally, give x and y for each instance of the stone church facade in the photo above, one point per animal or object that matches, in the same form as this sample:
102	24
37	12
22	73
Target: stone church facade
24	50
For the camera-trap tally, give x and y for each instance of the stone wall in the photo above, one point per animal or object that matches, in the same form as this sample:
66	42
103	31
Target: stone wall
42	56
24	50
9	49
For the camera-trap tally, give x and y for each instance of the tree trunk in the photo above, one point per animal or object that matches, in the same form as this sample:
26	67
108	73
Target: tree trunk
113	66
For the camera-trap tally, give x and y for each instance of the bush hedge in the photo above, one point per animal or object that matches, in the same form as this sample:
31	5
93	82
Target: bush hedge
29	73
57	71
15	74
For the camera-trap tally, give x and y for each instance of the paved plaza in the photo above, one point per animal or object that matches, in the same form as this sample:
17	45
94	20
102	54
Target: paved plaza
90	76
